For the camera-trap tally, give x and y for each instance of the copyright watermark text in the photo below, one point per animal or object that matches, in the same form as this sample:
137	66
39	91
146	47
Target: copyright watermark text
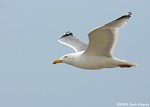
132	104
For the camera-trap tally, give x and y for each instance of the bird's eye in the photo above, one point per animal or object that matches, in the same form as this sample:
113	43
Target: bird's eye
65	56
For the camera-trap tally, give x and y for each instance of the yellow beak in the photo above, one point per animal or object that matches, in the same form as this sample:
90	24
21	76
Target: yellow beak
57	61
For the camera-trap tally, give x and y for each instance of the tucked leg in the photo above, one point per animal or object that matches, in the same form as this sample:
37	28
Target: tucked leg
125	66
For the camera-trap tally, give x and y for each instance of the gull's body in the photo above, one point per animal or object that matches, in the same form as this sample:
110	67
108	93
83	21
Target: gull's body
99	52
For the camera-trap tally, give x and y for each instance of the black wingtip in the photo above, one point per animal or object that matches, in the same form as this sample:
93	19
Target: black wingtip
67	34
129	13
127	16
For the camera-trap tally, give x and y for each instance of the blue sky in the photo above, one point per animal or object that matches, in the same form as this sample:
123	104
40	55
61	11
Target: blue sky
29	30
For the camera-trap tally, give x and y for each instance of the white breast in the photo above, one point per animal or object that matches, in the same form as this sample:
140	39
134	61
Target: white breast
93	62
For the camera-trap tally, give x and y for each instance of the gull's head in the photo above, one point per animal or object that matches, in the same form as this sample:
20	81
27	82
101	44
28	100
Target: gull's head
64	59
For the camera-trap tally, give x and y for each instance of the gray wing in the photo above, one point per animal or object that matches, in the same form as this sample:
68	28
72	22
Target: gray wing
69	40
102	40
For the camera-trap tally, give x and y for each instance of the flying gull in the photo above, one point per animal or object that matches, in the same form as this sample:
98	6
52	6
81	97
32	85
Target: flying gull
98	53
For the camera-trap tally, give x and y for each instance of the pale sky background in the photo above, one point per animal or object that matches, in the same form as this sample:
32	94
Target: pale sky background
29	30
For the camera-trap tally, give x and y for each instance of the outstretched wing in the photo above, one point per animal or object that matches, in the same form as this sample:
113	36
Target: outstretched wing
69	40
102	40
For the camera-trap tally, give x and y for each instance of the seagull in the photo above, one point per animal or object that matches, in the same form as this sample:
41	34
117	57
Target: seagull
98	53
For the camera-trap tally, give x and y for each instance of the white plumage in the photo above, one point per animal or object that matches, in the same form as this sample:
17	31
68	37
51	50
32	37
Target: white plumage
99	52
